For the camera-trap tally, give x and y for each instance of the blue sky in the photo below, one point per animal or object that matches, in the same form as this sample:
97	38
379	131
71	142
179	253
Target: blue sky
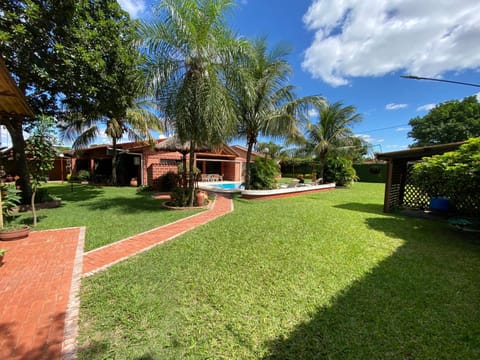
354	51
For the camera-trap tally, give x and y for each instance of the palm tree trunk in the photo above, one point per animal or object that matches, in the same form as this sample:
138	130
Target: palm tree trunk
247	165
114	161
184	172
191	177
15	129
322	162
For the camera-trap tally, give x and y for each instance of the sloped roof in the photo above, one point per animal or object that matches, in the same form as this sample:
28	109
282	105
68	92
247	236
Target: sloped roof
419	152
12	101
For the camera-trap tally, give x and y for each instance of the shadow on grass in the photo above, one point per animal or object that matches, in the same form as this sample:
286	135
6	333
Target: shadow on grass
421	302
144	203
80	192
361	207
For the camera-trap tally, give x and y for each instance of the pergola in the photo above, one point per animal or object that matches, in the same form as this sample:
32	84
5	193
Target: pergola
397	189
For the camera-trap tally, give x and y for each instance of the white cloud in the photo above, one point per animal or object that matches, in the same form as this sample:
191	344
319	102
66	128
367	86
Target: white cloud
312	113
355	38
426	107
393	106
477	95
396	147
402	129
133	7
369	138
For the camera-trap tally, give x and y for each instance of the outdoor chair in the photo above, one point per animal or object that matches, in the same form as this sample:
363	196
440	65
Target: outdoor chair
215	177
291	184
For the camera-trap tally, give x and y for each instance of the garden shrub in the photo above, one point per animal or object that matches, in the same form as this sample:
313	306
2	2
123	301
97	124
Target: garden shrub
179	197
263	173
168	181
340	171
11	198
454	174
82	175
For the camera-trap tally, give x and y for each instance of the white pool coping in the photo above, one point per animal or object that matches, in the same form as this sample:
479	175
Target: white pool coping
210	186
297	189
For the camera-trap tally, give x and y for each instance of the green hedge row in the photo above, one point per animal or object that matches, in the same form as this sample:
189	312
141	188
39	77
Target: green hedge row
376	173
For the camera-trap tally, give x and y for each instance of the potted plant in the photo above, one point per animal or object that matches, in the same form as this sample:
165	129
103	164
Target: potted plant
2	254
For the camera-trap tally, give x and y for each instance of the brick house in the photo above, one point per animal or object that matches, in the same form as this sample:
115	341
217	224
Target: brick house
141	161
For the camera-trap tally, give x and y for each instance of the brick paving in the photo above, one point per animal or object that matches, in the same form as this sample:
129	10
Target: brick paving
101	258
37	278
40	282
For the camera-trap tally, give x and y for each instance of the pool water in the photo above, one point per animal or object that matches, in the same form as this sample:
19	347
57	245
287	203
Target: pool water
229	186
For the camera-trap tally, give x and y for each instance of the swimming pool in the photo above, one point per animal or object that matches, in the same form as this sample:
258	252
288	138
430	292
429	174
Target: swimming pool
224	187
229	186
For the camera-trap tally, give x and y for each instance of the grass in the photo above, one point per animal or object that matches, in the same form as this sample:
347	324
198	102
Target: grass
324	275
110	213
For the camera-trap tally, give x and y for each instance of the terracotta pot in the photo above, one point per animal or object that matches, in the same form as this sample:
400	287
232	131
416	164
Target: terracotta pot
134	182
200	197
8	235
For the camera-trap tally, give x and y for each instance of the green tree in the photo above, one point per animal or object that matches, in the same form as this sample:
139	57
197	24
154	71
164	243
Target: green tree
29	32
265	104
274	150
112	85
331	132
41	155
67	53
454	174
188	48
451	121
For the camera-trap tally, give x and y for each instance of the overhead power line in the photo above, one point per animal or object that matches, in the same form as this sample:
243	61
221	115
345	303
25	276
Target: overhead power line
440	80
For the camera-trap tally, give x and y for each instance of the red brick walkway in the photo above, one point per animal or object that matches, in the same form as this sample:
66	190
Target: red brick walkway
39	277
40	280
101	258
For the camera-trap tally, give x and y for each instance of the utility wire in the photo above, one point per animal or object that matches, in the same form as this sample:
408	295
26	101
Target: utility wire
386	128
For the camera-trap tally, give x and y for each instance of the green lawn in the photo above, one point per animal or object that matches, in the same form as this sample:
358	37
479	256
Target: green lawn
324	275
110	213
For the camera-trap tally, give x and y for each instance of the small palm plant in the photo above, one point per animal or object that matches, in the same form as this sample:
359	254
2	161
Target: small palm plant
10	200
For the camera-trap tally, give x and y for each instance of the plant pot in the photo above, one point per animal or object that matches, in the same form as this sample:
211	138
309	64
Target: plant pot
134	182
14	234
439	203
201	196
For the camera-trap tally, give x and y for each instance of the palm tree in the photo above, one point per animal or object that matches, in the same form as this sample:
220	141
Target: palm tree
332	131
265	105
135	124
188	48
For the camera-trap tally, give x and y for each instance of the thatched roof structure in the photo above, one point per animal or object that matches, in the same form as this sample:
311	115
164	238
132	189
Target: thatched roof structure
173	143
12	101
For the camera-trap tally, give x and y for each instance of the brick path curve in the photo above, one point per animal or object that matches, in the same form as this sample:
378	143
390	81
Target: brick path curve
40	281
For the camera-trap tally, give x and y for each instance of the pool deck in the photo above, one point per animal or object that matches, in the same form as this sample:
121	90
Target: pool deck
286	192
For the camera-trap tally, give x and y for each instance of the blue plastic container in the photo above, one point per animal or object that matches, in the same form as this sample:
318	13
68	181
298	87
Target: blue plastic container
440	204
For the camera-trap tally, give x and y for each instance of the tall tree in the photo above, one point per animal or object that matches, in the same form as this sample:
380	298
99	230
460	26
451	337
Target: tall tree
266	105
451	121
188	47
112	85
30	31
67	52
332	131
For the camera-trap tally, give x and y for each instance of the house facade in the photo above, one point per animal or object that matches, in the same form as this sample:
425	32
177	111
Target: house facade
146	164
